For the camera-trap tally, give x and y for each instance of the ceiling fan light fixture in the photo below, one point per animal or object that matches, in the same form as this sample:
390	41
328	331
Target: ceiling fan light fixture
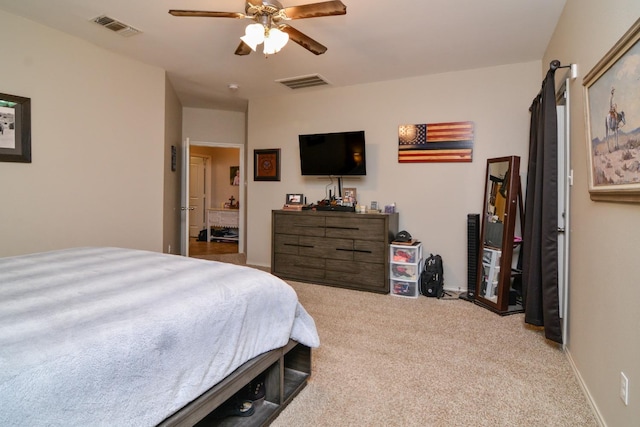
275	41
253	35
272	16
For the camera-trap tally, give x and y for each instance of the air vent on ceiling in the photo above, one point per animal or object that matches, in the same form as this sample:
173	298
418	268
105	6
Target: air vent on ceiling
116	26
304	81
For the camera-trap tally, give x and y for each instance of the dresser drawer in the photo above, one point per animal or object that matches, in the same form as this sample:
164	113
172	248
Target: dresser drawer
327	248
303	225
369	251
356	228
357	275
286	244
343	249
298	267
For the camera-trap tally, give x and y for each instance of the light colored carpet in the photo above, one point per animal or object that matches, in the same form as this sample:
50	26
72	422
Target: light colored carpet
391	361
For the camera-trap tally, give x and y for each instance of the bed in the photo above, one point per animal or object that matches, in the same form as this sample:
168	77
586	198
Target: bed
111	336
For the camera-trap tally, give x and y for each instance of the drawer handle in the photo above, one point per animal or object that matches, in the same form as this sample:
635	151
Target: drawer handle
354	250
343	228
297	245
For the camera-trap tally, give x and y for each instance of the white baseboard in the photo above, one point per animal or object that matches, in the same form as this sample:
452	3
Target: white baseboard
585	390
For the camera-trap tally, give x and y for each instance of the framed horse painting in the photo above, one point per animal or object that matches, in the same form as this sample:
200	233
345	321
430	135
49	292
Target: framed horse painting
613	122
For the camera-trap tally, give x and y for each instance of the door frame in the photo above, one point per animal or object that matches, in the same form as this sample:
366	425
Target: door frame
565	182
184	192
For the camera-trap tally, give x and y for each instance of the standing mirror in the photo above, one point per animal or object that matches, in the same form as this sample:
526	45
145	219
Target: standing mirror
497	243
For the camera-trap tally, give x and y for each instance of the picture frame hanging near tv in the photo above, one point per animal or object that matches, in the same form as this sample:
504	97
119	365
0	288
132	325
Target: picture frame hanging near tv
266	164
333	154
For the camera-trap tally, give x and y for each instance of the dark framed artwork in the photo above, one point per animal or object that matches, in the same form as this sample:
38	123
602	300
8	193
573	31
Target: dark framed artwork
15	128
613	122
266	165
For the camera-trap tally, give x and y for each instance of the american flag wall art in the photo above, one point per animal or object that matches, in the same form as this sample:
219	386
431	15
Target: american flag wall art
436	142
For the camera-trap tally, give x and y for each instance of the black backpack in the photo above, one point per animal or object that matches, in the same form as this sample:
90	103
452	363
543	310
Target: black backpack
432	279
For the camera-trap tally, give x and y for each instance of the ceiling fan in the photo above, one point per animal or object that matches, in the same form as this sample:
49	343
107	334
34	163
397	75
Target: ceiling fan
270	28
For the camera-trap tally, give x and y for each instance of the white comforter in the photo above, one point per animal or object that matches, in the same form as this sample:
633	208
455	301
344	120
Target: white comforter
118	337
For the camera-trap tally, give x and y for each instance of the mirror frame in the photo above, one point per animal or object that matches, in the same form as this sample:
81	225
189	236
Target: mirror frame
513	194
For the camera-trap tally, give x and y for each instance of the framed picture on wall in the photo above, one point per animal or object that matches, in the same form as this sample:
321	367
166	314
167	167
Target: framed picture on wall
266	165
15	128
234	175
613	122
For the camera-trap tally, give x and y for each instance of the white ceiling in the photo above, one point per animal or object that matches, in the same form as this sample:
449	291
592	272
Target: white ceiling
374	41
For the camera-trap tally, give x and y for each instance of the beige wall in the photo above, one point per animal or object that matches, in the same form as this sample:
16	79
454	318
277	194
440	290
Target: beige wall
214	126
604	319
172	179
433	199
97	142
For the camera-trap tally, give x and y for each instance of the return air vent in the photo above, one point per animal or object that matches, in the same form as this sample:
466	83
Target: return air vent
116	26
304	81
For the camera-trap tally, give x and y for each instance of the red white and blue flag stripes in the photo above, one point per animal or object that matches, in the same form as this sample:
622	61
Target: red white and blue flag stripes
437	142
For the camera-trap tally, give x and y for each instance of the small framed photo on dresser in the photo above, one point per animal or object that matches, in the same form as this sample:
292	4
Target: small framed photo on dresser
294	199
350	195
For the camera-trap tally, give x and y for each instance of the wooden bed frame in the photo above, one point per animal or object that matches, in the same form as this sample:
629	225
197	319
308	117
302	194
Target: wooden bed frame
287	370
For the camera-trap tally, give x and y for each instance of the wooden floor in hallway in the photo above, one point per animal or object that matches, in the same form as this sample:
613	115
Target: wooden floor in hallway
197	248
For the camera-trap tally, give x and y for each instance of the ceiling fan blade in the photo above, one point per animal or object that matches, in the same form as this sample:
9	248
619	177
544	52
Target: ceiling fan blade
303	40
204	14
243	49
314	10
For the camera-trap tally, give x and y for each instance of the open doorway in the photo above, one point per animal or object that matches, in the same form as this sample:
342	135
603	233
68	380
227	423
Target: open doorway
199	190
223	201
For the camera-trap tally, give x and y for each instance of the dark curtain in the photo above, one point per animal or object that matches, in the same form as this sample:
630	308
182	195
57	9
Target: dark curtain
540	231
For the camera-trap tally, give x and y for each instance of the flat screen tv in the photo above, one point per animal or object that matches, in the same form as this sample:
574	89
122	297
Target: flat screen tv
337	154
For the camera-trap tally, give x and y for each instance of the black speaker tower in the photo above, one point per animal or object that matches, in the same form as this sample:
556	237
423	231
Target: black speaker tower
473	252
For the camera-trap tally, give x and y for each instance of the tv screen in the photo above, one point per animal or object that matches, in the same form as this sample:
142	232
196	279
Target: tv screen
338	154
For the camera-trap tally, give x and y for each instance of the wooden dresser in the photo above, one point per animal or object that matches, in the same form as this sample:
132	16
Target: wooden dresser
341	249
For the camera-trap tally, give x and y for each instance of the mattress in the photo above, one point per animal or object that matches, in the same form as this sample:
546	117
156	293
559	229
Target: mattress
111	336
